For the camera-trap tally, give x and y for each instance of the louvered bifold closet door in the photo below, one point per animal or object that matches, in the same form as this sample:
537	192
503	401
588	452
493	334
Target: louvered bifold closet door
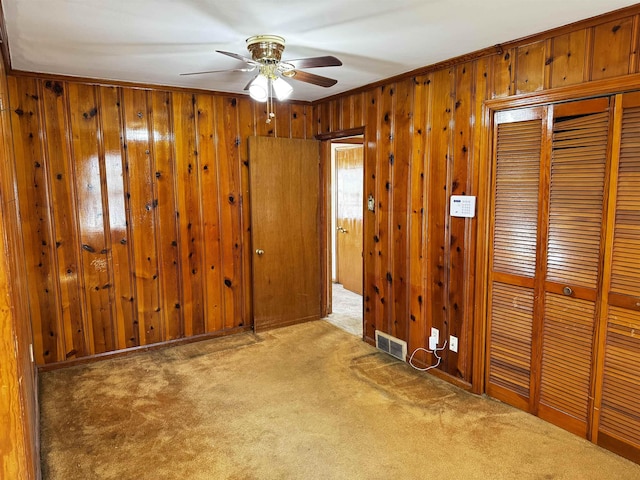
574	222
517	152
619	422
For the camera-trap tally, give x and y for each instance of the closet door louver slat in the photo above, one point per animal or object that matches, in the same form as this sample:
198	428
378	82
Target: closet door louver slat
514	251
576	199
576	196
619	426
516	198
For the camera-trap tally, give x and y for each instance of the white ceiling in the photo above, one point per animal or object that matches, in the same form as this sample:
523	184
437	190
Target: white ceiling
153	41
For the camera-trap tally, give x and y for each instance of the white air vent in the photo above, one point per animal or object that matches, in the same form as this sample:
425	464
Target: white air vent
391	345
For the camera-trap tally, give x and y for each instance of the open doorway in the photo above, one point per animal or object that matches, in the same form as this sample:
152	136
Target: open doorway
347	207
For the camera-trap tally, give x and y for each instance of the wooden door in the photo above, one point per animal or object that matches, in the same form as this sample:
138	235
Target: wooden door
548	227
574	219
285	208
617	422
518	147
349	208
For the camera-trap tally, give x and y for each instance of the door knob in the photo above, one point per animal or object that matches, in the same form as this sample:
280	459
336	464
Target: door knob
567	290
259	251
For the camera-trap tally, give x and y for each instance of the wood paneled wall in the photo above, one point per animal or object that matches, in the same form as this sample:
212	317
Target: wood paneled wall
423	139
134	208
19	456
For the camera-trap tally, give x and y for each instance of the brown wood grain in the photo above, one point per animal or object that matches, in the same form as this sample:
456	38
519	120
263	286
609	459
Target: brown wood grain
18	401
530	72
612	49
384	198
418	293
231	202
91	205
142	219
61	174
349	163
210	215
189	213
568	58
370	236
399	221
246	129
440	154
167	222
37	237
459	184
287	260
117	184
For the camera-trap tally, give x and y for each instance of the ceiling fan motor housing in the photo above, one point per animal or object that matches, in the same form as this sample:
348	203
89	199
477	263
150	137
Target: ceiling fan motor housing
266	49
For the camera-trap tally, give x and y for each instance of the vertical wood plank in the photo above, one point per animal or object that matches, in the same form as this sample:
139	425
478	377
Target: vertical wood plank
346	113
438	228
92	218
370	222
473	342
263	127
384	205
358	102
210	213
283	120
246	129
34	204
228	155
298	121
167	234
190	238
530	60
399	164
117	189
324	117
569	56
612	49
502	74
140	170
464	109
335	109
417	333
60	179
310	121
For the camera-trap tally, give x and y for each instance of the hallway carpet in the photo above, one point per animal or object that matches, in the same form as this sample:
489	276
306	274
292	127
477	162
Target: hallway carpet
348	310
303	402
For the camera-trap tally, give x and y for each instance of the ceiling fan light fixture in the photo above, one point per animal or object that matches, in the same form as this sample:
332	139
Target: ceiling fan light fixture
259	88
282	89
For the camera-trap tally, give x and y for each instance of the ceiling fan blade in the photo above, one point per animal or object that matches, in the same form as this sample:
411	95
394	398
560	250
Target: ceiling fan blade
313	62
250	82
311	78
221	71
238	57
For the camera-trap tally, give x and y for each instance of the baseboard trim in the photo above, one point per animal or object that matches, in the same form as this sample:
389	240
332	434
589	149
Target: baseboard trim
142	348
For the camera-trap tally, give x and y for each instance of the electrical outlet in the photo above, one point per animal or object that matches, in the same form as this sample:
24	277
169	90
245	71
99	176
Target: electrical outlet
453	343
435	333
433	343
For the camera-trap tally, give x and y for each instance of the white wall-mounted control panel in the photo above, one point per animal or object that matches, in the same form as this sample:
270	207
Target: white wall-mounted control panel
463	206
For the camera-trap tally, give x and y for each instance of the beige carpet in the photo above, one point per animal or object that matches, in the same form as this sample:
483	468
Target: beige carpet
304	402
347	309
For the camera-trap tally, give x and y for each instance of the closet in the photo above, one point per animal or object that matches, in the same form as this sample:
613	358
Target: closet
564	269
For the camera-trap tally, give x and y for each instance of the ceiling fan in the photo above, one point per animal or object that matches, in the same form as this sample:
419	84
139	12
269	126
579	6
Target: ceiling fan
266	61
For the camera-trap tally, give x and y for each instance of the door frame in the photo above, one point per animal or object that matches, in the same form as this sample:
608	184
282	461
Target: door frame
325	210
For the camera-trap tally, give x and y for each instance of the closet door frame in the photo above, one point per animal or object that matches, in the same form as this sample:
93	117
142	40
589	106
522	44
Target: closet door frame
599	88
614	89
